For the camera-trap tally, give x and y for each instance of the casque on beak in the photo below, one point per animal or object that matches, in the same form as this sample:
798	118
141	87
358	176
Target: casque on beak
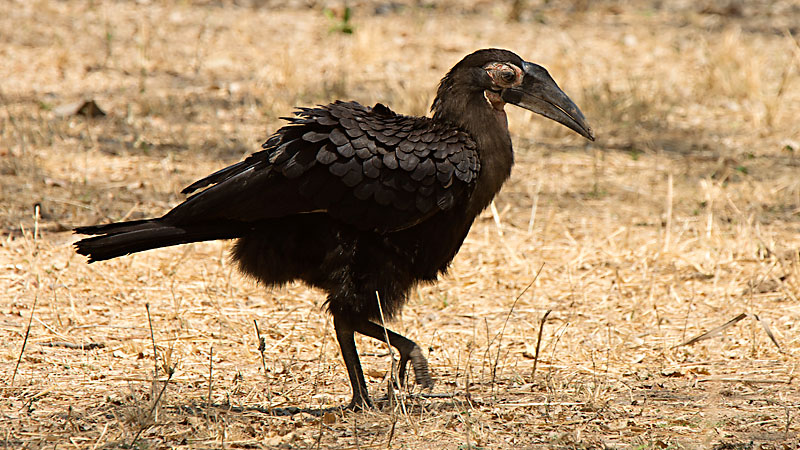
539	93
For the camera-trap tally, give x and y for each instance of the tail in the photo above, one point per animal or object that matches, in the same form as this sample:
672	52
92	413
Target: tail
123	238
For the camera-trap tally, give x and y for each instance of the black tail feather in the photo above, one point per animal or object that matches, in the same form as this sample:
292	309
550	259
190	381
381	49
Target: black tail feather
123	238
120	227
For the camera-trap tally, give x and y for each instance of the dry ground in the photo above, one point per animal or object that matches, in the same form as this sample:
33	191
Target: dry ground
683	215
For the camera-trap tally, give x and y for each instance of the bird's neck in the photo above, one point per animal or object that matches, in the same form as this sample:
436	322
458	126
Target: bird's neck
482	116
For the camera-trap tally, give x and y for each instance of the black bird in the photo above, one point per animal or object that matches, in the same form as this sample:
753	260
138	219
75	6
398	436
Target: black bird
361	202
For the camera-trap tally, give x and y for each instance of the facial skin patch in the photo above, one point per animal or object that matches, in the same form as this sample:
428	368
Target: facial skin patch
504	75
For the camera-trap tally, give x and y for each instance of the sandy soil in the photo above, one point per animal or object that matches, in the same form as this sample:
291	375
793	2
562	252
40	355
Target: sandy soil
682	216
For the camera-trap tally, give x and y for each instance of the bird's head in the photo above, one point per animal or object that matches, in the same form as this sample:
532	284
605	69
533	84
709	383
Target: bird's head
503	77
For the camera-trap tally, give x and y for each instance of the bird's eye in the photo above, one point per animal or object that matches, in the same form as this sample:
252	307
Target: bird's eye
508	76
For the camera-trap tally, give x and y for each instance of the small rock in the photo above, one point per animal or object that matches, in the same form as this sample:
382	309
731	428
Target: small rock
86	108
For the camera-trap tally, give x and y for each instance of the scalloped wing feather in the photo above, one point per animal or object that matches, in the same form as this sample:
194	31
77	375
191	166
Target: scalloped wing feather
368	167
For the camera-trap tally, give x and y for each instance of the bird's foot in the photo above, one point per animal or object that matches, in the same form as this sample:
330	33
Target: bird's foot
422	375
358	403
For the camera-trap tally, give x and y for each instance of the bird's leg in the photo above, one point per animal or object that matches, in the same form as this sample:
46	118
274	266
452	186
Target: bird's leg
345	335
409	350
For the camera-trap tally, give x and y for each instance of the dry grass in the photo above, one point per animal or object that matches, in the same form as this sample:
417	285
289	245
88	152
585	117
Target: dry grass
684	214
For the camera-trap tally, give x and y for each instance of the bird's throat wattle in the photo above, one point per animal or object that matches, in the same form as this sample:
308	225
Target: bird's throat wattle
497	104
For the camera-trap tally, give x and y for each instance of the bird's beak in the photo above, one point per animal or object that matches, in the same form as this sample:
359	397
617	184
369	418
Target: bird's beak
539	93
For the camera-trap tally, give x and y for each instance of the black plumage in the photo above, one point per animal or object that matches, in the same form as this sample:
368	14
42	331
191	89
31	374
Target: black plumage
361	202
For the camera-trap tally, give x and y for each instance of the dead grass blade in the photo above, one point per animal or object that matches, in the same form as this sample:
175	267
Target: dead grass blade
505	322
210	381
153	340
768	331
714	332
393	379
393	375
153	408
744	380
262	347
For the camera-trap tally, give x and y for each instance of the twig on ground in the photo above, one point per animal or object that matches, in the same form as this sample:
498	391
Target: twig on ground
262	347
25	340
73	346
539	343
394	424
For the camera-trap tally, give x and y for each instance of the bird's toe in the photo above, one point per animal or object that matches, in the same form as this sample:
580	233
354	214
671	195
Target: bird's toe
358	404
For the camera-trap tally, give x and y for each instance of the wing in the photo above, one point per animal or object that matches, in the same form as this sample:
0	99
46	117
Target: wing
368	167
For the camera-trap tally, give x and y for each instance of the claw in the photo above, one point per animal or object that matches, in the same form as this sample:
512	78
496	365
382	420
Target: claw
356	405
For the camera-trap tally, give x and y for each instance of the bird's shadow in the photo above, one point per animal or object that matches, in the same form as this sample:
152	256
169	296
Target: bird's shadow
383	404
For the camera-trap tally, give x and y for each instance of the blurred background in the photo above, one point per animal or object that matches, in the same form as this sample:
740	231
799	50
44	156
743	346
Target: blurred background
204	82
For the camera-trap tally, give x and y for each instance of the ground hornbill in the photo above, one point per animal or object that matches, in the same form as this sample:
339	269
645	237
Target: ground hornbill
361	202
